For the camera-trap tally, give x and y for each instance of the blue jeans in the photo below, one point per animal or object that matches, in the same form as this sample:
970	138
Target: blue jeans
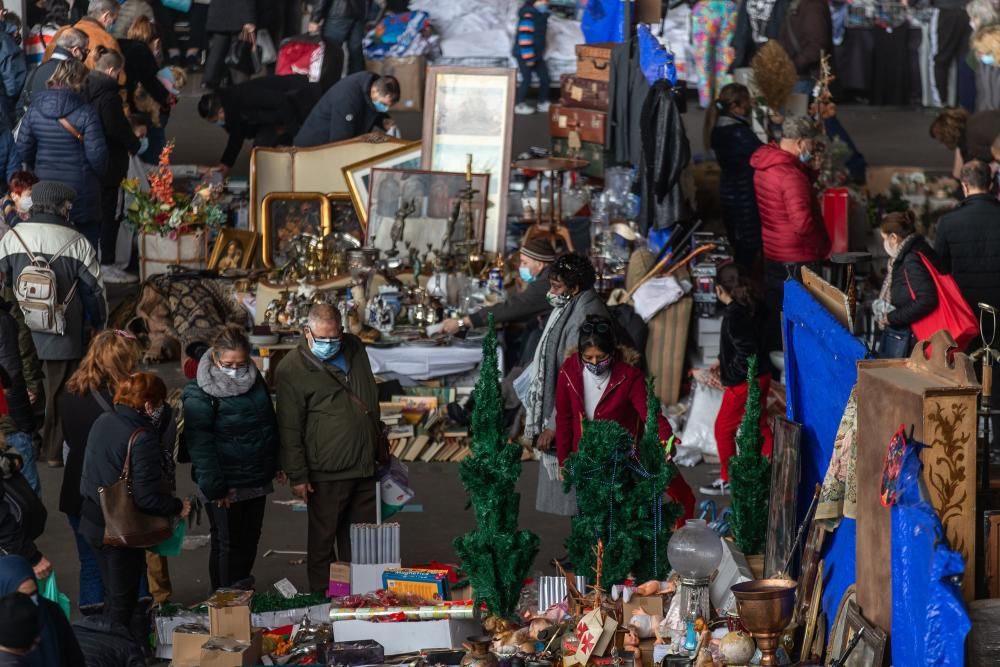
24	445
157	140
541	70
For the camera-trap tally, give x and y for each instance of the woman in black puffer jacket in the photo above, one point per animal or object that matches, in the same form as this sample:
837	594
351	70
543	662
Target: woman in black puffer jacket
61	139
909	290
733	142
231	434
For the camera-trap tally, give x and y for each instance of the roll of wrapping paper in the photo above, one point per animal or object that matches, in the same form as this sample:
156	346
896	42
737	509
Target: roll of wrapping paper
373	544
428	613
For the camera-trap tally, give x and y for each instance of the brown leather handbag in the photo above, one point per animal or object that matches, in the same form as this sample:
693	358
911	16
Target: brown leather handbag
125	525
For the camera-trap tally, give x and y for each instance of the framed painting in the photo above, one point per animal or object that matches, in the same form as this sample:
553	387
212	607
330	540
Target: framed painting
870	648
470	111
234	250
287	215
434	195
344	217
782	520
358	175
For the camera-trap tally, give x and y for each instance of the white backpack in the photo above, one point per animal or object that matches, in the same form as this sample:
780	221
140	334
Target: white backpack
37	289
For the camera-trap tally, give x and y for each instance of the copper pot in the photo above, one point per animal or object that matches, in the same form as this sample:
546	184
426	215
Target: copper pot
765	607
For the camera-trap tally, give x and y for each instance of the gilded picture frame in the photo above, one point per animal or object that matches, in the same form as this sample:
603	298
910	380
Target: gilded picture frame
470	111
234	249
358	174
344	216
285	215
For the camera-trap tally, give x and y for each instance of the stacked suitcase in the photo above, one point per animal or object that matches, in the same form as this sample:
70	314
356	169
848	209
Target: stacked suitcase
577	123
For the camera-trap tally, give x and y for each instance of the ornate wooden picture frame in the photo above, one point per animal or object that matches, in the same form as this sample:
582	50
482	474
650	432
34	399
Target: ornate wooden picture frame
358	175
285	215
234	249
344	215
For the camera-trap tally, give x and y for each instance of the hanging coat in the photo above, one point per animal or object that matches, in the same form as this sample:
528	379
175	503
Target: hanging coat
665	154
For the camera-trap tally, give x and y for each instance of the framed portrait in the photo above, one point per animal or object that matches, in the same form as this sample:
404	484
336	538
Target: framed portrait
344	217
358	175
286	215
234	249
434	195
870	651
470	111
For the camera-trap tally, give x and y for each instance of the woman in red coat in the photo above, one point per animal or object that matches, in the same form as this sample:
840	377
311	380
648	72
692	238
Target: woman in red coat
599	381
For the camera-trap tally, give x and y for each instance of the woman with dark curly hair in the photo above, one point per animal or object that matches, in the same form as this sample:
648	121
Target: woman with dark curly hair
572	297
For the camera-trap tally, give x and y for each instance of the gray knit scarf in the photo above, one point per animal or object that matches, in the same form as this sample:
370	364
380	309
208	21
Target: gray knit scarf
534	419
215	383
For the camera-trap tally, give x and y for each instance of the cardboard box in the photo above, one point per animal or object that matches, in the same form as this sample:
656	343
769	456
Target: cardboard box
231	653
365	652
409	636
230	622
186	647
368	578
651	604
410	72
340	580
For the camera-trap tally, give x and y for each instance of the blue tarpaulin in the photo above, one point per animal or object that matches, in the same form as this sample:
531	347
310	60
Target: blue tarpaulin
603	21
929	619
820	370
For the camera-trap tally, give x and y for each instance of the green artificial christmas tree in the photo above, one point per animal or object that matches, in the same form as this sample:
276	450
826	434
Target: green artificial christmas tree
496	555
750	474
620	486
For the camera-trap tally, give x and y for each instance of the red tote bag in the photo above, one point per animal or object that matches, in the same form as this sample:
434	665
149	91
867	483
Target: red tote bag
952	313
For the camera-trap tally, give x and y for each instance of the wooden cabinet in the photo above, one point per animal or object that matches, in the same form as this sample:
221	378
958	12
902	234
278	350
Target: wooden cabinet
938	400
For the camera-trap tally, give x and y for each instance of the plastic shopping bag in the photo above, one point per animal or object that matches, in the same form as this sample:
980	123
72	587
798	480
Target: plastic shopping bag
700	428
172	545
48	589
394	487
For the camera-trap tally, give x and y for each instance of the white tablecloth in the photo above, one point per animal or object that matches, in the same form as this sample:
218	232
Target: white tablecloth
424	363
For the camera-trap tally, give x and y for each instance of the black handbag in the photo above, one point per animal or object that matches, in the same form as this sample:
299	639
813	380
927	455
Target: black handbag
896	343
244	55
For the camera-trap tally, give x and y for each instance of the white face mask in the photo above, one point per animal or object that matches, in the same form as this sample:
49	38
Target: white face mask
890	249
24	204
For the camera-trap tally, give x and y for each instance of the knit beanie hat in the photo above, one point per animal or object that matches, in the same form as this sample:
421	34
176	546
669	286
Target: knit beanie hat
51	193
537	249
19	627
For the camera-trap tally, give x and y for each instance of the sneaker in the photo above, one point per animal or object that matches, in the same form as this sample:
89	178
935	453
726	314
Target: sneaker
543	107
524	109
114	276
718	488
192	62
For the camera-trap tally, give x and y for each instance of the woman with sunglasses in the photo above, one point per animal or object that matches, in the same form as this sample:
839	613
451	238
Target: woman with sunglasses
599	380
572	297
231	434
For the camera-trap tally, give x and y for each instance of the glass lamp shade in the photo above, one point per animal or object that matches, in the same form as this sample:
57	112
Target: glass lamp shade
695	550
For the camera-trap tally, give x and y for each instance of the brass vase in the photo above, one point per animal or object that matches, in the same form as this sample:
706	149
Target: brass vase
765	607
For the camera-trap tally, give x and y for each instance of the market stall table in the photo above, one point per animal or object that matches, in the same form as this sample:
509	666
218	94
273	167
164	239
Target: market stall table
425	363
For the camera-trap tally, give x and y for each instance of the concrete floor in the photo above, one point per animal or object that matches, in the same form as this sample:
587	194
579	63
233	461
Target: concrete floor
886	136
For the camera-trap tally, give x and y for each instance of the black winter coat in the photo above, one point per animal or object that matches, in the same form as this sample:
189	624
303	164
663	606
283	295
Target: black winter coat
740	338
233	440
914	294
968	247
278	103
13	72
626	93
102	92
56	155
665	154
14	387
743	43
79	414
141	67
38	79
105	459
344	112
105	643
230	15
22	515
733	142
339	9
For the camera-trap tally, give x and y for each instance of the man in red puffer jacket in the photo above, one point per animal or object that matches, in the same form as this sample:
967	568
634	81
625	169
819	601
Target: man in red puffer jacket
791	223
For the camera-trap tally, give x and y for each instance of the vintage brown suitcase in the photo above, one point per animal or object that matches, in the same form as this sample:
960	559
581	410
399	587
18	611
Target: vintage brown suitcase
583	93
588	125
593	61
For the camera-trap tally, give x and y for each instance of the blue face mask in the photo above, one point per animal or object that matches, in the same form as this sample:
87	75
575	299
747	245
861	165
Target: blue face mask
805	157
544	9
525	274
380	106
325	348
987	59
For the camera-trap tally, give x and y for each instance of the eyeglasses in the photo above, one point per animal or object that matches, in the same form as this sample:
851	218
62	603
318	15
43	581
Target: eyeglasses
595	327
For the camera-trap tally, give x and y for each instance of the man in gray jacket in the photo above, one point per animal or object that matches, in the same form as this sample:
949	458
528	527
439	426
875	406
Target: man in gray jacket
48	234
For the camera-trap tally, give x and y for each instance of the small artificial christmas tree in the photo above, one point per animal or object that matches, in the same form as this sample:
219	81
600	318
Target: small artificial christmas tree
619	494
496	555
750	474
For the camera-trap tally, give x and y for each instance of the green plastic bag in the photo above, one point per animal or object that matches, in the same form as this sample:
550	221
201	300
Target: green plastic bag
172	545
48	589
